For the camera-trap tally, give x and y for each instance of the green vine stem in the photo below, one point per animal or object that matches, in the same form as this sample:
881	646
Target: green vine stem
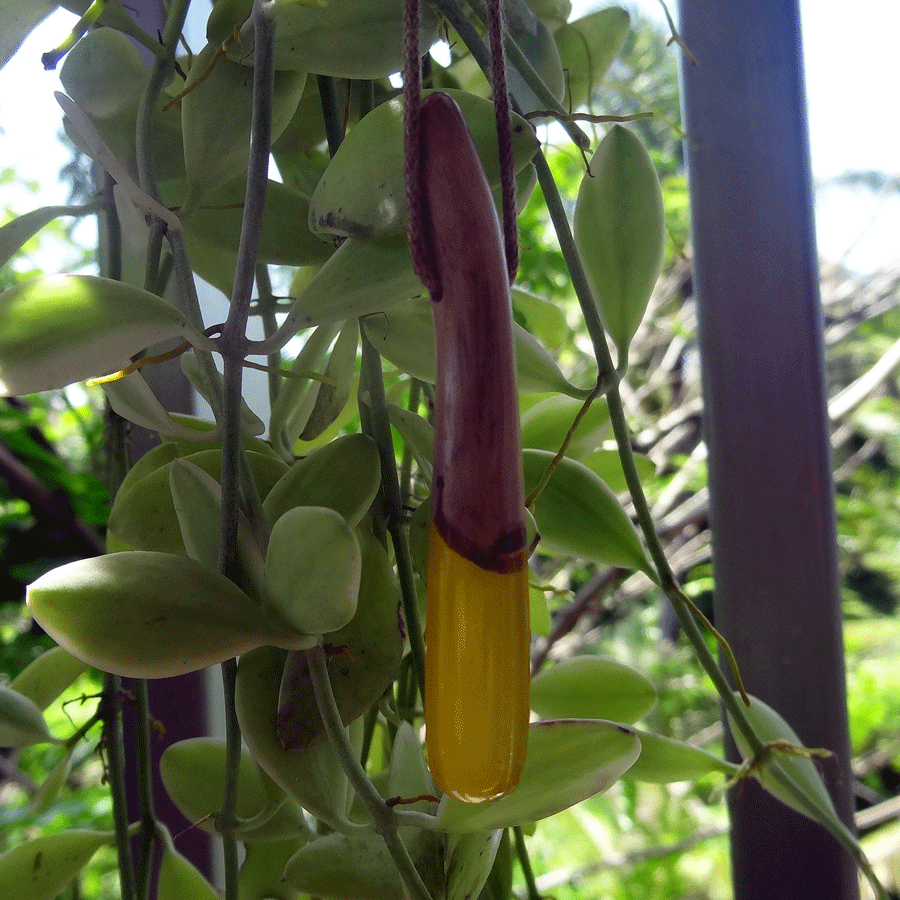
267	306
111	708
334	126
160	71
144	786
237	485
372	372
525	863
384	819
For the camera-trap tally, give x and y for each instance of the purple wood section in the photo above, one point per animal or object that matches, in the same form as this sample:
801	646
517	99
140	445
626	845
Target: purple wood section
477	493
756	276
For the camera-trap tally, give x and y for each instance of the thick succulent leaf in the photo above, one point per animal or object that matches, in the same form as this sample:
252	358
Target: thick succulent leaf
21	722
373	642
567	762
346	867
217	147
197	500
180	879
350	39
133	399
45	796
470	858
143	515
620	231
417	434
104	73
313	567
40	869
577	514
363	277
770	726
261	878
592	687
20	18
332	395
607	464
542	317
193	774
538	47
664	760
150	615
46	677
404	335
297	396
546	424
59	329
587	48
313	777
344	475
362	192
14	234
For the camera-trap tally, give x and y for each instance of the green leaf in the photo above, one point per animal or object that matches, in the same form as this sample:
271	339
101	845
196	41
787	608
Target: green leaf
577	514
539	48
59	329
346	867
313	566
332	396
15	234
814	800
470	858
373	642
417	434
44	797
260	877
664	760
350	39
404	335
180	879
313	777
362	192
587	48
364	276
21	722
104	73
546	424
344	475
591	687
20	18
197	499
607	464
566	762
42	868
44	679
193	773
143	515
150	615
217	146
620	231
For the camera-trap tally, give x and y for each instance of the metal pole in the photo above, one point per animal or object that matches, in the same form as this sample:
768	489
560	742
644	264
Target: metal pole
771	494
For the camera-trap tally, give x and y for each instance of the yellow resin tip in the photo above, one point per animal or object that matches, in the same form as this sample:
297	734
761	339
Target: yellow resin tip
476	675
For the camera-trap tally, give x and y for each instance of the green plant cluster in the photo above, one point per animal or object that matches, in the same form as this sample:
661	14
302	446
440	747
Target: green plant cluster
295	554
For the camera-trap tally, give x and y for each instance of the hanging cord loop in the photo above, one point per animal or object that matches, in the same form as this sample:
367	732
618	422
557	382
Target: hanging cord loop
412	81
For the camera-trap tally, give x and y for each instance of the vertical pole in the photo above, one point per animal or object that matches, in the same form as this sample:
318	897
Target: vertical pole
771	495
179	704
